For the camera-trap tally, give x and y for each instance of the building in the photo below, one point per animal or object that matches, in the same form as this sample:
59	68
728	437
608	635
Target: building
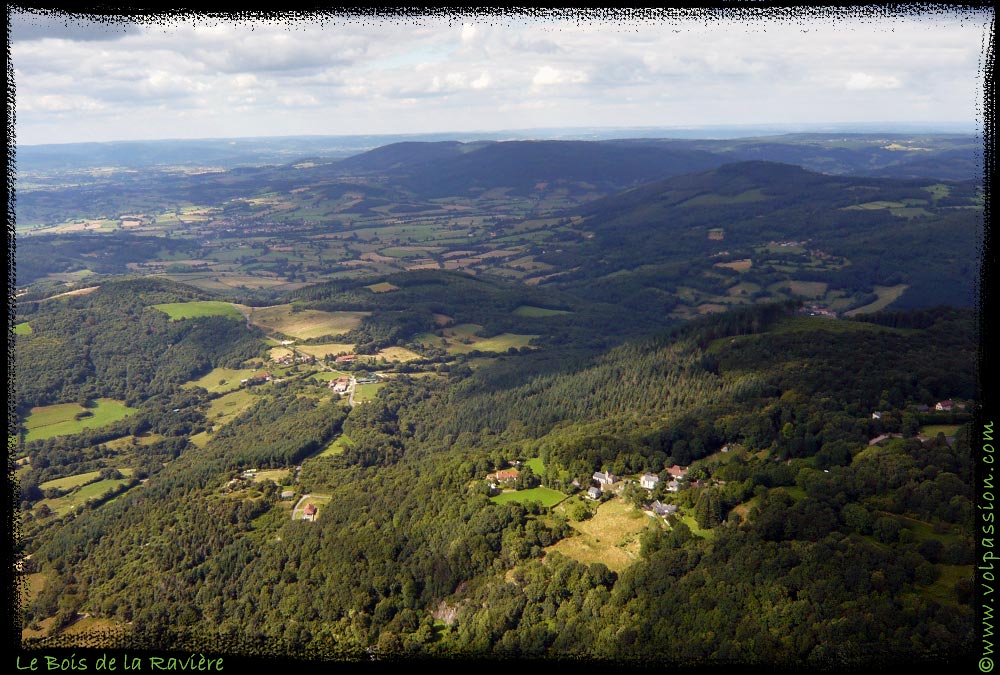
287	494
649	480
945	406
677	472
594	493
309	512
604	478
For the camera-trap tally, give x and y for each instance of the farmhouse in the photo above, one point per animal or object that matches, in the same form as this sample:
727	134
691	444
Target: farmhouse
946	406
649	480
507	475
677	472
594	493
346	358
287	494
309	512
340	385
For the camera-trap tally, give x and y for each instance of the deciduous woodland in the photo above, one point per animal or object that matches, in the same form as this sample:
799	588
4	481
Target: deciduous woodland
638	401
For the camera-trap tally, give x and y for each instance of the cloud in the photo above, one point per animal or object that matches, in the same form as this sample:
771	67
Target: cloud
42	24
547	76
866	82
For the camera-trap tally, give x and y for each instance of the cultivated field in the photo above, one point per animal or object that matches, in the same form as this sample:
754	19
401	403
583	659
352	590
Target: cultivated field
397	354
304	324
60	419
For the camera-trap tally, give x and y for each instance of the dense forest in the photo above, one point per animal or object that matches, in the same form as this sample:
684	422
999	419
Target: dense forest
808	545
497	400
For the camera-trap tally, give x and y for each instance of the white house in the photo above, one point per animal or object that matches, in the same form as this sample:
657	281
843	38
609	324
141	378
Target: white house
649	480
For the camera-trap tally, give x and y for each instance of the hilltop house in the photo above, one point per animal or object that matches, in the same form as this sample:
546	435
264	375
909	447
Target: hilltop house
677	472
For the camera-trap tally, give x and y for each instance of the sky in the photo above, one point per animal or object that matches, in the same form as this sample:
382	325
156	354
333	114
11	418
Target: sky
196	76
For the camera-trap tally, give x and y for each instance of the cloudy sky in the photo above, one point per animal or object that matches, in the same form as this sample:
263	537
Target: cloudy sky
200	77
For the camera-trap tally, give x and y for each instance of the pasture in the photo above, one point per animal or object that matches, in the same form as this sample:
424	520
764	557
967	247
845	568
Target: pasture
198	308
80	496
546	496
221	380
366	392
397	354
22	329
60	419
886	296
611	536
326	349
304	324
531	312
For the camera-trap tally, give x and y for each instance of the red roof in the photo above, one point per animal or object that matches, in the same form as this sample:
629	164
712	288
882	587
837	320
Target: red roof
309	510
507	474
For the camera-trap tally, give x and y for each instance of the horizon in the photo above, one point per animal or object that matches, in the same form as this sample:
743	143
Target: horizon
118	78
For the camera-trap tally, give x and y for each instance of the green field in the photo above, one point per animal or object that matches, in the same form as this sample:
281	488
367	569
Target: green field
79	497
366	392
191	310
337	447
70	482
932	430
59	420
886	296
22	329
537	312
222	380
462	339
547	496
536	465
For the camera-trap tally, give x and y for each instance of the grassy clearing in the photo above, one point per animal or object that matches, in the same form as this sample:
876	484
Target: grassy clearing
737	265
222	380
60	419
126	441
275	475
317	500
22	329
338	446
547	496
383	287
531	312
79	497
695	530
874	206
462	339
536	465
886	296
943	589
611	536
70	482
932	430
326	349
224	408
809	289
397	354
304	324
191	310
366	392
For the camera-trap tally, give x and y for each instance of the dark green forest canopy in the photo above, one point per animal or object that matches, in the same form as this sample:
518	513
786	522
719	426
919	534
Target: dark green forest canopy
678	325
811	525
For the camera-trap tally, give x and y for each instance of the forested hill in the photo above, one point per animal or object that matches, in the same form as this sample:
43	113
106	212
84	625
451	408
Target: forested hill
758	222
798	544
438	170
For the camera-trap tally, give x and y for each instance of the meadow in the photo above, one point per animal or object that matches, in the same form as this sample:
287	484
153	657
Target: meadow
197	308
60	419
